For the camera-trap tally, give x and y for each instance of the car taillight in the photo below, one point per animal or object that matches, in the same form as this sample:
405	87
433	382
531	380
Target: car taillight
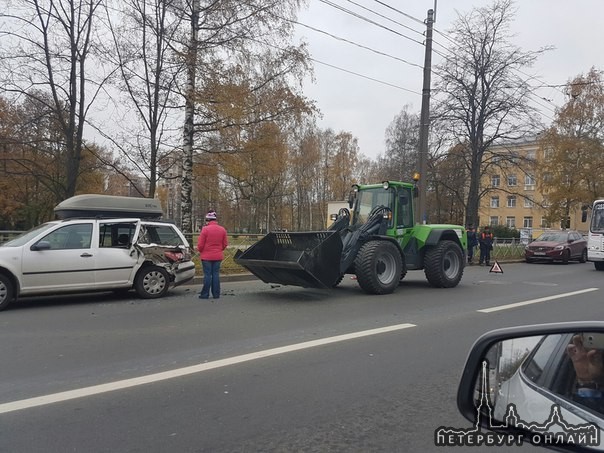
173	256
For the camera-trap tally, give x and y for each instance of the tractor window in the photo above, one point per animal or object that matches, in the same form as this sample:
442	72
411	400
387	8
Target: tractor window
403	214
369	199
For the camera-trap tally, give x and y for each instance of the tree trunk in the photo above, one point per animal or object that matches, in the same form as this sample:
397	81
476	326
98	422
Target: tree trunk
188	137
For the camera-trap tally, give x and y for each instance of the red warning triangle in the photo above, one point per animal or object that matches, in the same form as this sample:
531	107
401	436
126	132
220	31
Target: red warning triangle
496	268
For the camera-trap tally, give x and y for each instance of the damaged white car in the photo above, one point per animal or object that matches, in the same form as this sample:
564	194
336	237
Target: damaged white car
78	254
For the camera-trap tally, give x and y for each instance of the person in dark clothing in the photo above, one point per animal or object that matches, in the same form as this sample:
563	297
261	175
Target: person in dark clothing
486	245
472	242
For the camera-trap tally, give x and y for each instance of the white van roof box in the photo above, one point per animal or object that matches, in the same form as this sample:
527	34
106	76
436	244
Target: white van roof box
94	205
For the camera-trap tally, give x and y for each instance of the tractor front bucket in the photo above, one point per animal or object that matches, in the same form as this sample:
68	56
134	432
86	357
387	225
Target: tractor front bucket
308	259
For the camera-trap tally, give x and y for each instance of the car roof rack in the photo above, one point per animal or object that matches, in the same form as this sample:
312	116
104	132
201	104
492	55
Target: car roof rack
108	206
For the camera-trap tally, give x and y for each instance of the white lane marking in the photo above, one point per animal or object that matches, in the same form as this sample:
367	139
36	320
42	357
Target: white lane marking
150	378
535	301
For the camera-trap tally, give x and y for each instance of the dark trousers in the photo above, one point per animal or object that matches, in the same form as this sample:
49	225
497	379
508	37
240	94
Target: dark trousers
485	254
470	254
211	279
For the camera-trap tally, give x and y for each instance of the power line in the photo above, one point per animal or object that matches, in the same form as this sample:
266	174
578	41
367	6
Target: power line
366	77
386	17
359	16
356	44
343	69
400	12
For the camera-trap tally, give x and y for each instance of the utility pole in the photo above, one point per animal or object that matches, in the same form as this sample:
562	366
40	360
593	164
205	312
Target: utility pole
425	122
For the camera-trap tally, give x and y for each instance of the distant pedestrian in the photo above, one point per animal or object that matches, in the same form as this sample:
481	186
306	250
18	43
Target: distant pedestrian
211	244
486	245
472	242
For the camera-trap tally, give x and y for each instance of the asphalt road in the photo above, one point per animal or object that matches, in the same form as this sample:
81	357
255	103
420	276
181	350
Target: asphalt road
254	372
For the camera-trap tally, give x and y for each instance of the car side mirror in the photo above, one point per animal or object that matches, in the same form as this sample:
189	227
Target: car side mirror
540	384
42	245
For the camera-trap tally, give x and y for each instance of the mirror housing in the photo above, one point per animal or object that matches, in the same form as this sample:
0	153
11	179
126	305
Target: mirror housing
42	245
475	387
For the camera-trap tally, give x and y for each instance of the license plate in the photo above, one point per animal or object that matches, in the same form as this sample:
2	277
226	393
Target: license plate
540	253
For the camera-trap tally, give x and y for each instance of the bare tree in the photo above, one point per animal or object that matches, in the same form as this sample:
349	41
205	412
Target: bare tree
46	47
143	51
402	146
483	95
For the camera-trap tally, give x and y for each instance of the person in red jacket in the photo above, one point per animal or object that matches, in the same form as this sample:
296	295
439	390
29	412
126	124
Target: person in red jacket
211	244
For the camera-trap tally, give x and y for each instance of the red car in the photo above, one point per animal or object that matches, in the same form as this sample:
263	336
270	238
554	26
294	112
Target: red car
557	246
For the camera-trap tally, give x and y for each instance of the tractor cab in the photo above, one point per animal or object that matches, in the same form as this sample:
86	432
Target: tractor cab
397	198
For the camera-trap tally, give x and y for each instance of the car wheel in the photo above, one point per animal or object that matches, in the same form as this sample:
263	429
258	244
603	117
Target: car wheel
152	282
6	291
583	258
565	256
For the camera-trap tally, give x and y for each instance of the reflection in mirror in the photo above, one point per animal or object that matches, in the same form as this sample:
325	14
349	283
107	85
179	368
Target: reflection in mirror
544	384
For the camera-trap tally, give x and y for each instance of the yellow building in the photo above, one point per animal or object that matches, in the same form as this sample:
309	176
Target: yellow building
511	190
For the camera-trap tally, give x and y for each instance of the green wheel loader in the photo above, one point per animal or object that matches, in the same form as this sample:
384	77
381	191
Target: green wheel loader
377	240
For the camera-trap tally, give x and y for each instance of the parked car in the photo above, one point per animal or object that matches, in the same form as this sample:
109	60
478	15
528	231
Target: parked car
94	254
562	246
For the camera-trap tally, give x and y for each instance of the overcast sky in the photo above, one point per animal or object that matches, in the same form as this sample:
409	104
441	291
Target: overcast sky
364	107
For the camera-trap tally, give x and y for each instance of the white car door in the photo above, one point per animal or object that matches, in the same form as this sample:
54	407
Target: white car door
116	260
60	261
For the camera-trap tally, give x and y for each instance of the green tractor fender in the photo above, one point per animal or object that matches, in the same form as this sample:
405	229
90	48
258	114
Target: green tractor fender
426	236
376	237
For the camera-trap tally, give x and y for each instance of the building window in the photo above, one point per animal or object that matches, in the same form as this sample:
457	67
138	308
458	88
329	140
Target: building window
510	222
527	222
530	154
545	203
494	220
528	203
545	223
495	202
529	182
495	180
511	201
512	181
547	177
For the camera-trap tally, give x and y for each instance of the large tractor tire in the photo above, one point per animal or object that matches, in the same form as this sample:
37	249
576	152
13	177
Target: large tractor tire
444	264
378	267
